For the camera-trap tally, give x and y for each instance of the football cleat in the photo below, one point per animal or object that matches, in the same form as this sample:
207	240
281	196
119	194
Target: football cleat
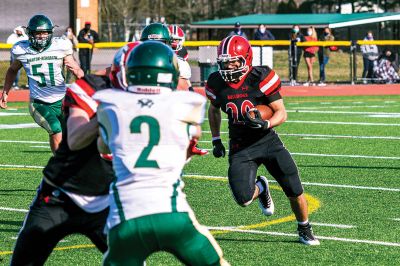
265	201
306	235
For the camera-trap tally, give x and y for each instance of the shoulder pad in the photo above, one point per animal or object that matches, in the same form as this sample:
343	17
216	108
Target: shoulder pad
20	48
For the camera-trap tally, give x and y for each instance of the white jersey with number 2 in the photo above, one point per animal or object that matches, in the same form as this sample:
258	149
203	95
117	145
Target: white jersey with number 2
148	136
44	69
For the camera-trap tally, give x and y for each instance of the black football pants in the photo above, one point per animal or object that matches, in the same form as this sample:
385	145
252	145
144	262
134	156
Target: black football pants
270	152
49	220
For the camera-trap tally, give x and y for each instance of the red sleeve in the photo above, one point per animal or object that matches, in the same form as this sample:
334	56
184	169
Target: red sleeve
79	95
270	84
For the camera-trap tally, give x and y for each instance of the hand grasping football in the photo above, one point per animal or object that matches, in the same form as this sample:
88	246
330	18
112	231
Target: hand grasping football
265	111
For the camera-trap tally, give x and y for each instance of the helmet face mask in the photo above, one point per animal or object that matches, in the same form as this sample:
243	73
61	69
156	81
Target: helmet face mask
156	32
150	67
177	37
234	58
40	32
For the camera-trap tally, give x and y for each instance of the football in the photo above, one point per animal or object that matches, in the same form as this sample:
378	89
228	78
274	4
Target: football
265	111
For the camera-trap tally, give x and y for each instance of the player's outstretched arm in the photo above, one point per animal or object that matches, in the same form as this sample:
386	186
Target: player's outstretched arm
73	66
10	77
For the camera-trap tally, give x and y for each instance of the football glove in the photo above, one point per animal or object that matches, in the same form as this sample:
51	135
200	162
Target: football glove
256	121
218	148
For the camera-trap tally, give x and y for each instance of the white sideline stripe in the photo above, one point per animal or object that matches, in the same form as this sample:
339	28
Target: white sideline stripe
13	210
39	147
15	126
307	183
345	156
396	219
24	141
334	225
12	114
337	107
373	242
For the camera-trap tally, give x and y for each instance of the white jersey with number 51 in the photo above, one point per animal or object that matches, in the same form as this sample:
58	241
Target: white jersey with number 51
44	69
148	136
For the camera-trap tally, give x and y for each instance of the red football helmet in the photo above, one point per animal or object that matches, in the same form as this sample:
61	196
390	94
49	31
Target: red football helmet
234	49
117	73
177	37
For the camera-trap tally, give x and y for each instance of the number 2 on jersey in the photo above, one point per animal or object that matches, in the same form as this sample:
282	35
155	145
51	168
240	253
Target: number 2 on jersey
154	139
37	71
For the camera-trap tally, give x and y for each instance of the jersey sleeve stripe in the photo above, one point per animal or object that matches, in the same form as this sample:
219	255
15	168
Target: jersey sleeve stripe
210	94
270	76
270	85
83	100
85	87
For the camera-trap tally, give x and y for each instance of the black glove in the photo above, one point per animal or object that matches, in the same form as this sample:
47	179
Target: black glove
218	148
256	121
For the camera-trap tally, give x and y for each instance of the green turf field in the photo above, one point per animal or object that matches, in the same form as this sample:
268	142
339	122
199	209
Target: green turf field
347	150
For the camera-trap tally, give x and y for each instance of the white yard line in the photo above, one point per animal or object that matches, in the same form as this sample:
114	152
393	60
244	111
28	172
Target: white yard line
341	112
373	242
46	147
17	126
345	156
12	114
21	166
24	141
307	183
343	123
322	136
12	209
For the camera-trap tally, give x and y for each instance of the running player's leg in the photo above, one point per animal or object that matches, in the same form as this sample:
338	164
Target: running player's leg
48	117
242	174
93	228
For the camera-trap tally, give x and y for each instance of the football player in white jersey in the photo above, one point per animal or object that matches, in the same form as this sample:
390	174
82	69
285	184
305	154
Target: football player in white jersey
43	58
148	127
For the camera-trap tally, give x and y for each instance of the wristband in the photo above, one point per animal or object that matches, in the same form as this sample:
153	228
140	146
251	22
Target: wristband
216	138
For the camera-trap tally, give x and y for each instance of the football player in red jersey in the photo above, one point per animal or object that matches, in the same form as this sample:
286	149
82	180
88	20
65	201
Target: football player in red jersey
235	89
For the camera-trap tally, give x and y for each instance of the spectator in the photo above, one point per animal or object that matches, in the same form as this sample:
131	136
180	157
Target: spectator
309	54
238	31
87	35
16	36
323	55
69	34
294	53
370	55
386	69
263	34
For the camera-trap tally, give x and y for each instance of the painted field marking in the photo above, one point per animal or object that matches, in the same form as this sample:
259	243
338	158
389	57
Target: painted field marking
306	183
13	209
341	112
396	219
12	114
46	147
334	123
17	126
320	135
24	141
373	242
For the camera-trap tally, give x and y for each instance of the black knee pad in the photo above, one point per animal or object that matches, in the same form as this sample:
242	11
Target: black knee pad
291	185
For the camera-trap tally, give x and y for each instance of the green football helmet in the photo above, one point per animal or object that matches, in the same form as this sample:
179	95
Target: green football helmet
152	64
40	23
156	32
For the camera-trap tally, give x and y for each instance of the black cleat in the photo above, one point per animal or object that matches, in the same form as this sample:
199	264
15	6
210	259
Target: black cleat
306	235
264	199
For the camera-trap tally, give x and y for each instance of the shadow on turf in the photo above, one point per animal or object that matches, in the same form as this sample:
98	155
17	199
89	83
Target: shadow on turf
16	224
254	240
37	151
348	166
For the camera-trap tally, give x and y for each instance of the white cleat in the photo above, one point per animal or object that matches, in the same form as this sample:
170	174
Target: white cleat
265	201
